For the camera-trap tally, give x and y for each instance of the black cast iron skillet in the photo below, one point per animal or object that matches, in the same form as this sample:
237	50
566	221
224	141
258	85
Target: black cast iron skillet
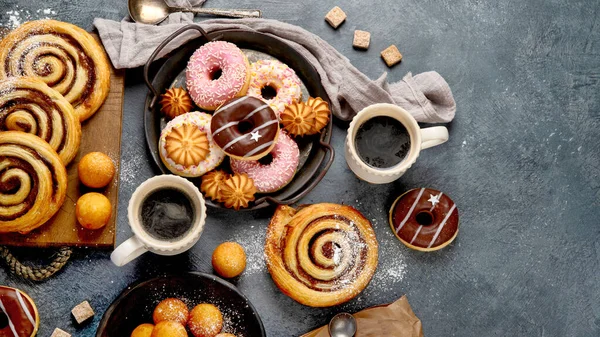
136	303
313	148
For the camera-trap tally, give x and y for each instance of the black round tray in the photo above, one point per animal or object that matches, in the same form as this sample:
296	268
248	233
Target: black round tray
313	148
136	303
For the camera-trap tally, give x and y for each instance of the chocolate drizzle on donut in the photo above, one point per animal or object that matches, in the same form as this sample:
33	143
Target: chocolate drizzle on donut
21	315
244	127
424	218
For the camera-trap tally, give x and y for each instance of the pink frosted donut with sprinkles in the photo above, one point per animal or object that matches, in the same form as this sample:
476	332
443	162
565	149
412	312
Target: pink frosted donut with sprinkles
215	155
273	176
278	76
217	72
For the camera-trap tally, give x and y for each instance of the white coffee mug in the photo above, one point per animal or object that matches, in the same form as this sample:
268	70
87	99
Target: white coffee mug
142	242
419	139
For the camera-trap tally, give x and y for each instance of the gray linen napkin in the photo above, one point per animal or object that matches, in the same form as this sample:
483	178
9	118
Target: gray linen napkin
426	96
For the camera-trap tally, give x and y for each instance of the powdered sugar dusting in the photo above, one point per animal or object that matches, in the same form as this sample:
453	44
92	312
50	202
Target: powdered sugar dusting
16	16
253	240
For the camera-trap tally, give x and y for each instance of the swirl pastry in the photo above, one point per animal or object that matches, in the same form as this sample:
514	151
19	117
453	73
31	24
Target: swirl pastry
64	56
33	182
28	104
321	255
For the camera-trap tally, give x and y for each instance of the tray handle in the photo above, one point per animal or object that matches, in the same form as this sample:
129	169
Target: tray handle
310	187
158	49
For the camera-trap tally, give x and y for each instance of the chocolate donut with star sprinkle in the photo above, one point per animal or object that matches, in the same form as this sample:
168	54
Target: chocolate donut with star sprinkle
424	219
245	128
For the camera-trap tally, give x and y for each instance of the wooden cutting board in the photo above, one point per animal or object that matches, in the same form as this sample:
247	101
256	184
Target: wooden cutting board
102	132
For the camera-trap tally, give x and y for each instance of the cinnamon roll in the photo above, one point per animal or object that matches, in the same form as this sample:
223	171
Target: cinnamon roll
33	182
64	56
28	104
321	255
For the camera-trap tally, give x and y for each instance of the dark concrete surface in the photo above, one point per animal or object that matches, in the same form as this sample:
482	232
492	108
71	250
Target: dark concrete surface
522	164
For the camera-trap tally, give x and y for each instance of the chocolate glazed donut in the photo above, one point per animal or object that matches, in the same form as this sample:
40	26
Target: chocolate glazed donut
321	255
64	56
424	219
246	128
18	314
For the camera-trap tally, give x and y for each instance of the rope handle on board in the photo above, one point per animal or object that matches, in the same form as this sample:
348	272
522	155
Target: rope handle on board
36	273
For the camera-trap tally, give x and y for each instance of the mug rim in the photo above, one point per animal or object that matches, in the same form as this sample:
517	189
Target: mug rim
413	131
162	181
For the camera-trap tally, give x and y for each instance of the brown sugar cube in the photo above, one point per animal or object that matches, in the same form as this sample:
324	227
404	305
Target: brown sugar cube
362	39
60	333
82	312
335	17
391	55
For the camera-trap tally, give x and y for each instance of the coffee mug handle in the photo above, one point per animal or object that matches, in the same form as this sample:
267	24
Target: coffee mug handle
433	136
127	251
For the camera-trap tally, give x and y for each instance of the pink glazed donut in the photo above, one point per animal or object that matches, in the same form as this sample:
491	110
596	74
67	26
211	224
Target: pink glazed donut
207	88
274	176
278	76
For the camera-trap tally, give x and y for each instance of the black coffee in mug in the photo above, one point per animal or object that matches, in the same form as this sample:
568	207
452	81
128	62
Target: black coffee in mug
167	214
382	142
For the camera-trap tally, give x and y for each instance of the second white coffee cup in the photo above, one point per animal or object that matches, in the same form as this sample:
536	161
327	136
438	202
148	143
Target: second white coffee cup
142	242
419	139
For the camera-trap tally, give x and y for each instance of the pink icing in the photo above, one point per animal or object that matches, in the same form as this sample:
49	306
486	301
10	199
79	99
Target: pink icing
272	177
218	55
279	76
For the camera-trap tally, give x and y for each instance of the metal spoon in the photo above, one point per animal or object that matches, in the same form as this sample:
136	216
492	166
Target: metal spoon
342	325
153	12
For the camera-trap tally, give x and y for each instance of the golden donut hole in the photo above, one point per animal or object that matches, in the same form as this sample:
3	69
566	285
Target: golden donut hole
424	218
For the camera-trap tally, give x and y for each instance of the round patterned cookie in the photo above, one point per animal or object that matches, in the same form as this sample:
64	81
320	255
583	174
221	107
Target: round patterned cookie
186	145
424	219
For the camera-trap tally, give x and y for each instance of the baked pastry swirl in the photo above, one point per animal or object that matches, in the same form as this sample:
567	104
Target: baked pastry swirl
321	255
64	56
28	104
33	182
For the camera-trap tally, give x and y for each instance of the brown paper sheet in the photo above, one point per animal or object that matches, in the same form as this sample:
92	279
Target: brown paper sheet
393	320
